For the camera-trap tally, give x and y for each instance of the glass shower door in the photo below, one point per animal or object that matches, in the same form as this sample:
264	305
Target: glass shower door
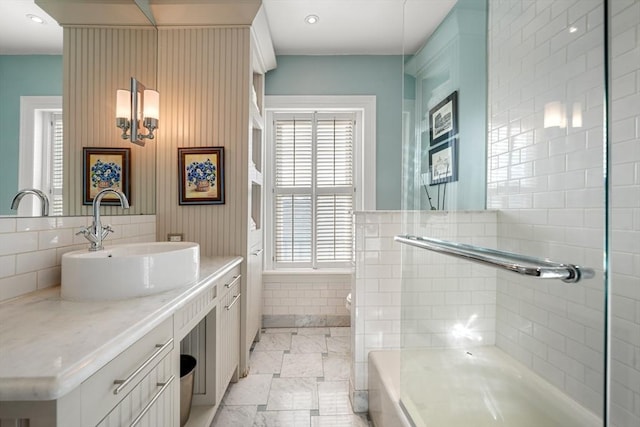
487	346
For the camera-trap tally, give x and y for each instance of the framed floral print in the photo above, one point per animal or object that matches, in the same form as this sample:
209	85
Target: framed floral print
201	173
105	167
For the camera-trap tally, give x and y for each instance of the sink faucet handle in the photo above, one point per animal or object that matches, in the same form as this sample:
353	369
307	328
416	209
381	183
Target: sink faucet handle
88	234
106	230
84	231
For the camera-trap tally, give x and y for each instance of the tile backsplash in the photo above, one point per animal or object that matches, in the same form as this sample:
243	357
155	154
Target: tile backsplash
31	248
297	299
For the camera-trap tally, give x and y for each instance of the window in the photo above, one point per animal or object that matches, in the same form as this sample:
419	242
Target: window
41	152
314	189
52	160
320	166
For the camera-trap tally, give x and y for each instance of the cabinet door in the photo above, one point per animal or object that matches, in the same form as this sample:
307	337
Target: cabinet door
150	403
233	312
254	293
229	337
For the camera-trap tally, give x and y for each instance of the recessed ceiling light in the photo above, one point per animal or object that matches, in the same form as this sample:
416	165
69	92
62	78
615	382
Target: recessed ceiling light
36	18
311	19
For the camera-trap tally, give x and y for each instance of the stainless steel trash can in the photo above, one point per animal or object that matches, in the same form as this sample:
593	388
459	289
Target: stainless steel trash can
187	370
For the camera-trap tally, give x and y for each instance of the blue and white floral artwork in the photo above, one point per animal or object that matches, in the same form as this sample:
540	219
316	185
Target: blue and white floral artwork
201	175
105	174
105	167
198	172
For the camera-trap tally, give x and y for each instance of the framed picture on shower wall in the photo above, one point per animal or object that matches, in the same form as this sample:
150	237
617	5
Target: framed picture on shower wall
201	172
105	167
443	163
443	119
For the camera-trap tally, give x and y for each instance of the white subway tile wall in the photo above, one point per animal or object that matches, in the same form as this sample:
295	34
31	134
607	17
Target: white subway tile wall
31	248
547	183
439	292
298	299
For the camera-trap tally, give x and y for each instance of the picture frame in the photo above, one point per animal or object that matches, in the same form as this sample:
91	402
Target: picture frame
201	172
443	119
443	163
105	167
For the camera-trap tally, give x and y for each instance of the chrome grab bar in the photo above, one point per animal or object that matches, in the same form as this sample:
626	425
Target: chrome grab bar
123	383
521	264
144	411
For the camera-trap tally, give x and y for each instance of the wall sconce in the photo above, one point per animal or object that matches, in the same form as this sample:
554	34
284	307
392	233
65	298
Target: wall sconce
136	107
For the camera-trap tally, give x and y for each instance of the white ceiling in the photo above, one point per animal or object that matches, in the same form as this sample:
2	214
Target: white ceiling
346	27
372	27
21	36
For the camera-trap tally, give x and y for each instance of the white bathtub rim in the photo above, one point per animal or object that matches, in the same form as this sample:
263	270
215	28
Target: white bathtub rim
583	417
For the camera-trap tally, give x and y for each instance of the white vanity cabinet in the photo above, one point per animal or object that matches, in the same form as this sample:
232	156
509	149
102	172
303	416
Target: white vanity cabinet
135	386
228	348
117	363
151	402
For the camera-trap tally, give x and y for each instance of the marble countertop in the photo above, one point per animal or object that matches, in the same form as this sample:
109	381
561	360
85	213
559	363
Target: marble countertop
49	346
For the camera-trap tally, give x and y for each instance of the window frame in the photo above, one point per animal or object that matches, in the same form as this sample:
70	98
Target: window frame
364	165
35	111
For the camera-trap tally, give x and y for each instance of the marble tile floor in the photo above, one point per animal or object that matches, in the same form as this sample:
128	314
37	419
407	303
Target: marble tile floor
299	377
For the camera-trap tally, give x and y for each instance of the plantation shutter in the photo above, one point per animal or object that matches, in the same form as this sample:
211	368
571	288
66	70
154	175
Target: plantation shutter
293	198
56	165
334	203
314	189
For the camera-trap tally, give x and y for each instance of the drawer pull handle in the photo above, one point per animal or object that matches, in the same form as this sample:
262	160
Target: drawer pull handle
258	252
228	307
123	383
235	279
164	385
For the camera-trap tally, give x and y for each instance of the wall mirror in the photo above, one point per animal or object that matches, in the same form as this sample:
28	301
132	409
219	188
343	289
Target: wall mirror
42	132
444	112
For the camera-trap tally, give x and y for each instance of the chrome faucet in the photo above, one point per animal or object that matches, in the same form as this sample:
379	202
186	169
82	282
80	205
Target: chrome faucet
43	197
96	232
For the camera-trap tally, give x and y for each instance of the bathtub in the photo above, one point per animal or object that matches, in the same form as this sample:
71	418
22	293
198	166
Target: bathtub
479	387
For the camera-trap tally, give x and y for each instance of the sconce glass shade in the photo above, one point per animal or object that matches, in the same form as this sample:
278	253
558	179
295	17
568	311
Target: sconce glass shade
137	108
151	104
123	104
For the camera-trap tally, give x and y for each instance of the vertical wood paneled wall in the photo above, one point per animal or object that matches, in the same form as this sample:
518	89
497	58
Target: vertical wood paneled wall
195	344
97	62
204	80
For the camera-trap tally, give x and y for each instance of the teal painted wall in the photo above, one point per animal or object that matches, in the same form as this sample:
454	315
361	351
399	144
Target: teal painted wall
355	75
453	59
21	75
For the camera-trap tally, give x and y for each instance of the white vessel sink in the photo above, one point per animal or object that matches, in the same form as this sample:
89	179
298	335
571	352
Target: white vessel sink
129	270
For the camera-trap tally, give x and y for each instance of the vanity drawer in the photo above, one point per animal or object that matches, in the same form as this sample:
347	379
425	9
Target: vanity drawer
228	281
111	384
150	402
191	314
